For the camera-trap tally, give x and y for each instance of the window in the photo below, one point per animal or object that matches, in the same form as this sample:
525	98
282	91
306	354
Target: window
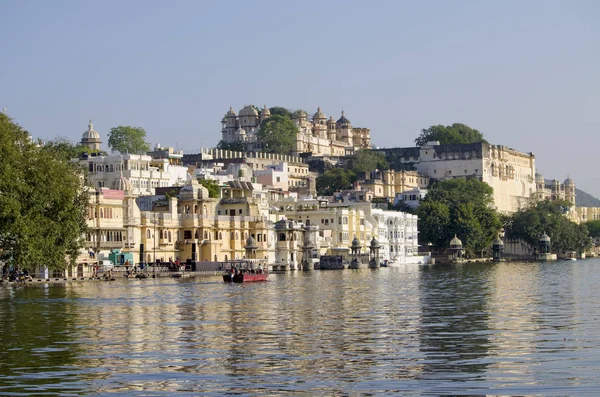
240	211
187	234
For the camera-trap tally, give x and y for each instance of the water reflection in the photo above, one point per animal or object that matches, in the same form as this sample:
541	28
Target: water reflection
503	328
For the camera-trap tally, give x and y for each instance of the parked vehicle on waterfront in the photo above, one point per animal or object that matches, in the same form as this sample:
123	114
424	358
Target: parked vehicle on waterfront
106	265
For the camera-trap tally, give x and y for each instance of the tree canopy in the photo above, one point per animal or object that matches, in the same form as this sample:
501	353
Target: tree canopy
234	146
277	134
461	207
333	180
593	228
452	134
42	203
214	191
280	111
127	139
64	148
548	216
366	160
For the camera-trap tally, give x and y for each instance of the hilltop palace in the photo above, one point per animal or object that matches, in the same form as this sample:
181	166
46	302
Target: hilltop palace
319	136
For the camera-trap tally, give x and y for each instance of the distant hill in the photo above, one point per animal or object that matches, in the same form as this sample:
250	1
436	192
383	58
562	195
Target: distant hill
583	199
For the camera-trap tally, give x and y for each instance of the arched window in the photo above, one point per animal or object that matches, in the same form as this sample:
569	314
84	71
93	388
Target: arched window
232	237
197	234
147	233
220	236
98	168
101	213
111	168
169	236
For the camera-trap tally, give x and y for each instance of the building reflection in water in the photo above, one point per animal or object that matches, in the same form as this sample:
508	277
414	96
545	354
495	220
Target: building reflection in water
386	331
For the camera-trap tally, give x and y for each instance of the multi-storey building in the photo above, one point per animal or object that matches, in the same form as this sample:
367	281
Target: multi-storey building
509	172
339	223
268	165
389	183
319	135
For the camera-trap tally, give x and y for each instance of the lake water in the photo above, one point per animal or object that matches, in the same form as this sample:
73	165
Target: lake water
476	329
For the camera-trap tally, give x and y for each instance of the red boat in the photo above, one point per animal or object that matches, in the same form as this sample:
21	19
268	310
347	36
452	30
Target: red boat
245	277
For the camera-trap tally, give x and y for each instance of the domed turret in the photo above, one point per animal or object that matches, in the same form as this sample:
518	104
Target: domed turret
569	182
122	183
355	243
343	121
539	178
544	238
331	121
319	115
91	138
374	243
248	110
230	113
455	242
250	242
265	112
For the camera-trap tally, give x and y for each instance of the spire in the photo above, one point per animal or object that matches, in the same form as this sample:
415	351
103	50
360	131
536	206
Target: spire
90	125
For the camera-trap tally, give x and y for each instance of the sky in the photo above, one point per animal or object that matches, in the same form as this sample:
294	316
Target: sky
524	73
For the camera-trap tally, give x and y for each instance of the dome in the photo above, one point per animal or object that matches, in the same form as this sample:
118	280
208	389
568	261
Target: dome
265	112
343	119
498	242
248	110
331	120
569	182
301	114
544	238
90	134
122	183
455	242
539	178
230	113
319	115
193	190
250	242
355	243
374	243
240	131
202	193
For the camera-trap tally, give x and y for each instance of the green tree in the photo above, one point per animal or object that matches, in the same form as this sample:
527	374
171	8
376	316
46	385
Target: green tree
333	180
234	146
548	216
42	203
127	139
277	134
461	207
452	134
279	111
593	228
366	160
64	148
214	191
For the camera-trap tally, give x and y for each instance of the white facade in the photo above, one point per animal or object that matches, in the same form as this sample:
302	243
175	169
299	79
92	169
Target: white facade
144	173
509	172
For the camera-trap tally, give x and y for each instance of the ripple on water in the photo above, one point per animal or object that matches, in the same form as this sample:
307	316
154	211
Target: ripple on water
504	329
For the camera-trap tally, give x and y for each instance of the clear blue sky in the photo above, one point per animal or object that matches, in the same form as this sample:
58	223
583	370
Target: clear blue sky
525	73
